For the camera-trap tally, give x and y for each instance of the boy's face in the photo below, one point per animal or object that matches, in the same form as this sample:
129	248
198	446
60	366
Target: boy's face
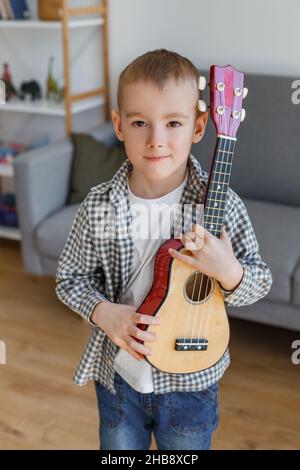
156	123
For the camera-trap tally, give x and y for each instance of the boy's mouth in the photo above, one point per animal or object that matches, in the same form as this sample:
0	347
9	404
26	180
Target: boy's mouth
157	157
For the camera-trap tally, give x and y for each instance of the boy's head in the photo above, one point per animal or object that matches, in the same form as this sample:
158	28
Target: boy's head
157	112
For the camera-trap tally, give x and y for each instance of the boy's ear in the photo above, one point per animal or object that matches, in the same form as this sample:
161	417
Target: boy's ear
200	125
116	119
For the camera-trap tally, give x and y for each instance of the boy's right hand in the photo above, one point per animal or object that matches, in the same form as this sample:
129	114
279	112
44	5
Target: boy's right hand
119	322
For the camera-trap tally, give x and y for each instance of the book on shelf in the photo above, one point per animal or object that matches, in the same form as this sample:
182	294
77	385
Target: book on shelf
8	211
20	9
14	10
3	12
8	9
8	150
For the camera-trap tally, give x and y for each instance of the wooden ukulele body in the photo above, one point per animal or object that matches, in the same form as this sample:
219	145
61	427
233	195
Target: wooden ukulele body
185	321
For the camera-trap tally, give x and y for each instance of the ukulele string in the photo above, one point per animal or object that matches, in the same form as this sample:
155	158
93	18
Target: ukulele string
204	314
199	292
190	307
228	149
192	297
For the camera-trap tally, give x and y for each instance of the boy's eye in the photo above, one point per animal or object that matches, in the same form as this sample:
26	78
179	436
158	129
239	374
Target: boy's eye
140	123
137	123
175	122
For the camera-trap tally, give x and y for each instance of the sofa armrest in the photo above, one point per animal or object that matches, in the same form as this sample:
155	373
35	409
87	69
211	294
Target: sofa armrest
42	185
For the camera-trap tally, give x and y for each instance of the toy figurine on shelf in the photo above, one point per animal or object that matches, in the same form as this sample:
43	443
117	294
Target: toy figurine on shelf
53	91
10	90
31	89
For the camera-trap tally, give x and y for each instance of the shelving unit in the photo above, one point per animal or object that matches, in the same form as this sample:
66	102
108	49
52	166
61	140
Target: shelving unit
39	24
51	108
72	18
73	103
10	232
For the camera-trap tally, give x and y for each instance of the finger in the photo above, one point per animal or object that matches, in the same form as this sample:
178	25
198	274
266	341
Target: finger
130	351
202	232
198	229
138	347
196	236
224	234
189	244
145	319
134	354
142	335
199	240
184	258
193	241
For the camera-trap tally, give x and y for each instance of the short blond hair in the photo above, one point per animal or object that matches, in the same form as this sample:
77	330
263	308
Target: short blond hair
158	66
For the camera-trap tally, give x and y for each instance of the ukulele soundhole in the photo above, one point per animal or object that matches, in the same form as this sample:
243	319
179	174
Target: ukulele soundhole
198	288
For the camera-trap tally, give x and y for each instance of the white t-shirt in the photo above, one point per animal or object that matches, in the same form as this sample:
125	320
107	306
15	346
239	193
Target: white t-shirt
151	223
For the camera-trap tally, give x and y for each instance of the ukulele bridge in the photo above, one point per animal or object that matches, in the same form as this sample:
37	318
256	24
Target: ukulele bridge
188	344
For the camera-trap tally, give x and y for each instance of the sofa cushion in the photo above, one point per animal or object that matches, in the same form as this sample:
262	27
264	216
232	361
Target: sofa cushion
93	162
277	228
51	234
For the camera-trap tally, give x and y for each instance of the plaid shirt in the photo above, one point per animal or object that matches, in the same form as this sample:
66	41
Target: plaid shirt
93	268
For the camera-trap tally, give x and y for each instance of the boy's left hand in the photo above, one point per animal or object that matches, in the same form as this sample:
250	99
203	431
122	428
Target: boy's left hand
211	256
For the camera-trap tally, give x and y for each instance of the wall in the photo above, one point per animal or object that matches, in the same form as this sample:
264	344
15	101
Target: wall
253	35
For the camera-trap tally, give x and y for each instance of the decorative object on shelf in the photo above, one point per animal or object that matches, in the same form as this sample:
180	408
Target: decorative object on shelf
8	213
2	92
31	89
50	10
20	9
6	10
66	102
53	91
8	150
10	90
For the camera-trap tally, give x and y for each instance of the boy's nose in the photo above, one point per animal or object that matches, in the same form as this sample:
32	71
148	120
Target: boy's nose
155	140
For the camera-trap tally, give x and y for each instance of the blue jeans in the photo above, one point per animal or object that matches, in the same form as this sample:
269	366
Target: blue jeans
178	420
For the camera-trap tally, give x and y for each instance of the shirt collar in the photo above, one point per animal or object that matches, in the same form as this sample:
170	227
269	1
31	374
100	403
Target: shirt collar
193	190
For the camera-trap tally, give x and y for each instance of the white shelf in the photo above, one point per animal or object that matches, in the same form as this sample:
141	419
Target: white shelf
39	24
10	232
6	170
51	108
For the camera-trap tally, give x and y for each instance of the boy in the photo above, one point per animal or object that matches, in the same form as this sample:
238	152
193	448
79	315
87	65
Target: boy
105	278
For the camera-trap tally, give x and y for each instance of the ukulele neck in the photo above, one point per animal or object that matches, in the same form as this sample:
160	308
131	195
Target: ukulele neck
217	185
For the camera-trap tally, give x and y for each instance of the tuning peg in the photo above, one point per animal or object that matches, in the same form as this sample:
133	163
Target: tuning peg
201	83
243	115
245	92
202	106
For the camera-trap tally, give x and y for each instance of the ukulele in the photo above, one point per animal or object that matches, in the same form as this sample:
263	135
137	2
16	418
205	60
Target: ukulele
193	334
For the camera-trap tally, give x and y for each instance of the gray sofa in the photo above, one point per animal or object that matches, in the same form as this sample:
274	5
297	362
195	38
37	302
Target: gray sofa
266	174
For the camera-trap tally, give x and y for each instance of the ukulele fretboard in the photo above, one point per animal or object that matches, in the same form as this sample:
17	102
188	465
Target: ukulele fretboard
217	186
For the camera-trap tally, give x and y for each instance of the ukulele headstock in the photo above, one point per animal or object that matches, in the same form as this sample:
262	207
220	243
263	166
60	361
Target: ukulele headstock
226	97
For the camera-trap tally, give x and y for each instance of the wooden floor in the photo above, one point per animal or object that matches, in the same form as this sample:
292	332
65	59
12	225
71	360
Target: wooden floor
40	407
